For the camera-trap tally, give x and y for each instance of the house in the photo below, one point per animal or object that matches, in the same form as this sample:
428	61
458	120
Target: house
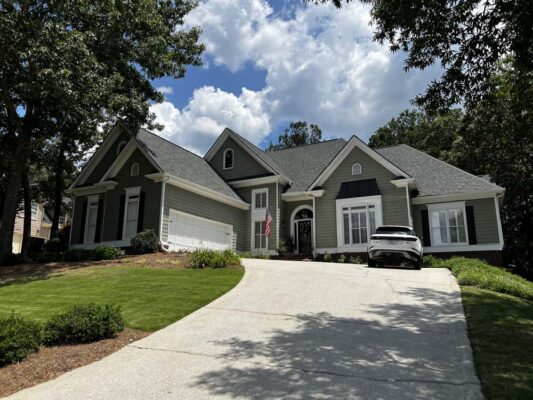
325	197
40	226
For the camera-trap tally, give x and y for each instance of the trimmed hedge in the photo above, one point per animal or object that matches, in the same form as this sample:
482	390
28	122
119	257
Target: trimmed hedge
11	259
145	242
49	256
204	258
84	323
18	339
107	253
475	272
102	252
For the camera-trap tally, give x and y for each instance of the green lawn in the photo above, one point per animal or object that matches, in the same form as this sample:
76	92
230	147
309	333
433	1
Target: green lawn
150	298
500	328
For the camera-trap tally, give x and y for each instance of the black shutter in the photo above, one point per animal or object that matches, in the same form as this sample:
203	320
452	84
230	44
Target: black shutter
140	216
99	215
471	225
121	216
83	217
426	239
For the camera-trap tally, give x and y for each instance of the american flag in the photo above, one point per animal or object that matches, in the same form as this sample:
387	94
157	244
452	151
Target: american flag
268	221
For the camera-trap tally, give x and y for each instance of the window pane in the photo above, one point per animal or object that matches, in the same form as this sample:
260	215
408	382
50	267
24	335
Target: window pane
355	221
462	234
263	200
355	236
372	217
364	236
257	242
460	218
258	200
452	218
453	235
346	229
131	228
263	241
362	217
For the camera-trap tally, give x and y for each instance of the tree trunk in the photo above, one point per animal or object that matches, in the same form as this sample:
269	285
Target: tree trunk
26	235
58	190
9	212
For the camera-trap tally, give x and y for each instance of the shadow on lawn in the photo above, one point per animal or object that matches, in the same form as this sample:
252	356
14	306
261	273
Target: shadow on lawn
399	351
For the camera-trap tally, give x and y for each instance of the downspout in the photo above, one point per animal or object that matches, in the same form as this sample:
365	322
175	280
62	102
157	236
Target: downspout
314	223
162	212
409	218
498	219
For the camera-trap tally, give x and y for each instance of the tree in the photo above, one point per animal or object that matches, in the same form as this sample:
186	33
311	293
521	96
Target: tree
432	133
68	67
297	134
467	38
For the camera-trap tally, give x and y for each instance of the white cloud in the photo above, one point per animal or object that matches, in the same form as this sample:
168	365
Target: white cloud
321	66
208	112
165	90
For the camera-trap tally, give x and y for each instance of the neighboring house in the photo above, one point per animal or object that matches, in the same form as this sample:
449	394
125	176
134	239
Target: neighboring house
326	197
40	226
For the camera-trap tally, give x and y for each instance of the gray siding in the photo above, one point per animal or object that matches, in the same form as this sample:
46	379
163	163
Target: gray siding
244	165
192	203
246	194
394	200
113	197
484	219
108	159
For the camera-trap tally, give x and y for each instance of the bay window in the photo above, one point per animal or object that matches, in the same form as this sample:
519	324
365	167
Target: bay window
448	224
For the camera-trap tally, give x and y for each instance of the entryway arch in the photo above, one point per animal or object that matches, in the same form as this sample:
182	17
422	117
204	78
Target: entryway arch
302	229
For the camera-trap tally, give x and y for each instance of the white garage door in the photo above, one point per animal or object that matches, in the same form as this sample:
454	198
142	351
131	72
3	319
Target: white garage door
188	232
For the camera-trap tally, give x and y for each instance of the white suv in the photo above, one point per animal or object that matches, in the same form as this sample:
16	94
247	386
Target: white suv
394	244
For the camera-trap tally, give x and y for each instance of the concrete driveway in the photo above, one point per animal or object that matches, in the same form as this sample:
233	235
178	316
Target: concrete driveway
298	330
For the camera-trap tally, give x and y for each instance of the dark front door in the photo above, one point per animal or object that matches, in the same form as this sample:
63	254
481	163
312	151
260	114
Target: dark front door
304	237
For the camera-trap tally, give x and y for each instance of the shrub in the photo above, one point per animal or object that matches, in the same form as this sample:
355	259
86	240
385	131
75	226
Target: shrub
327	257
106	253
355	260
55	246
205	258
145	242
78	255
341	258
48	256
475	272
84	323
18	339
433	262
11	259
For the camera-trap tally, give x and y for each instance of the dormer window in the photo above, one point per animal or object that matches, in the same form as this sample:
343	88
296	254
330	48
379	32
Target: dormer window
228	159
356	169
121	146
134	169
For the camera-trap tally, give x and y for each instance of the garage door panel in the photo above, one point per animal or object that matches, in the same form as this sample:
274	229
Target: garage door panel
188	232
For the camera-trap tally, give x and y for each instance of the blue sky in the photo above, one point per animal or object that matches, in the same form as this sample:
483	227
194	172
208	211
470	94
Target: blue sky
271	62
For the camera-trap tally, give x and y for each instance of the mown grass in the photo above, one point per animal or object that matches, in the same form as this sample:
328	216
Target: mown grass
149	298
500	328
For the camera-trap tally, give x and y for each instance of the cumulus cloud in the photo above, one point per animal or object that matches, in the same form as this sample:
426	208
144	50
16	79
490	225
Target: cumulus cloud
165	90
321	66
208	112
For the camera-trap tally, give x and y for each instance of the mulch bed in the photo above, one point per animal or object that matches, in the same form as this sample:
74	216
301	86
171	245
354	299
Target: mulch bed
50	362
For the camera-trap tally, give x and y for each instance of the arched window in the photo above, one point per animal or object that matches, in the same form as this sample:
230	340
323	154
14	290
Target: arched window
228	159
121	146
356	169
134	171
304	213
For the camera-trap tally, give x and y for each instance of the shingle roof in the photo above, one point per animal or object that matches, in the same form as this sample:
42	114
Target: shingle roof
305	163
433	176
177	161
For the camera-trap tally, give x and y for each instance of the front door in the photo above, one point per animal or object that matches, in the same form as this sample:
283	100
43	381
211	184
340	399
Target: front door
304	237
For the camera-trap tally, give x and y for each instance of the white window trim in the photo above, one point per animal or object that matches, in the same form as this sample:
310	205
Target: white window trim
292	221
445	207
132	191
355	202
258	214
252	243
224	167
90	199
132	169
360	169
121	146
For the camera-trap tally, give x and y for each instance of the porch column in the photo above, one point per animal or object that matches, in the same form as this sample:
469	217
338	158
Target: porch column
314	226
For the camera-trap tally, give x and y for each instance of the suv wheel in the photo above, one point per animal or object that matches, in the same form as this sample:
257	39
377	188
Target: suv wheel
418	264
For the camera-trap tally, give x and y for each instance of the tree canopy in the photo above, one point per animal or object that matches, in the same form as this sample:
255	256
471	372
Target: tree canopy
68	67
297	134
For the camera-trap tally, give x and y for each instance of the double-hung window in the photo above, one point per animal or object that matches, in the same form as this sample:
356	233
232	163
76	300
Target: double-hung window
131	212
260	241
258	214
448	224
91	219
260	199
357	219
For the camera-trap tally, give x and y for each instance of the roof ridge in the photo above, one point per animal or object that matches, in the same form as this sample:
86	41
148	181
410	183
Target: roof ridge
388	147
305	145
450	165
173	144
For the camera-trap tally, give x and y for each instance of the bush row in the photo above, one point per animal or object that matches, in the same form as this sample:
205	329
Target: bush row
339	258
204	258
475	272
80	324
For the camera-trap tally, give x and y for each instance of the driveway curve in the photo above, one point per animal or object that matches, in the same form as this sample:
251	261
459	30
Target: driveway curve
298	330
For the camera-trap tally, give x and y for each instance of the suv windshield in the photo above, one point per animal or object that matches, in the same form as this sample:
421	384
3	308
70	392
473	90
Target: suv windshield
395	229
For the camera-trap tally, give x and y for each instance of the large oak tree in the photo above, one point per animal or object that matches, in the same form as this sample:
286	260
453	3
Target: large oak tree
70	66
